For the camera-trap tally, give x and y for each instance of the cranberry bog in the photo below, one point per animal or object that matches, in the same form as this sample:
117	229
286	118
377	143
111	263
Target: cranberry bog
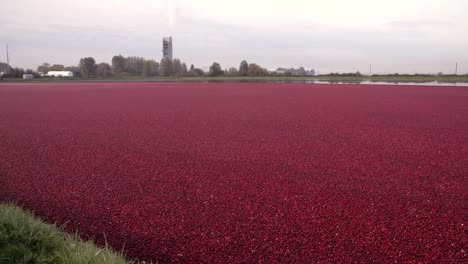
230	172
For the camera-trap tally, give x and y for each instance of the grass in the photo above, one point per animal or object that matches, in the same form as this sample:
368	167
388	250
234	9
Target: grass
292	79
26	239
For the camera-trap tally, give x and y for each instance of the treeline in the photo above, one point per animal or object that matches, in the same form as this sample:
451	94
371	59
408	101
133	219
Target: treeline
121	66
9	72
134	66
137	66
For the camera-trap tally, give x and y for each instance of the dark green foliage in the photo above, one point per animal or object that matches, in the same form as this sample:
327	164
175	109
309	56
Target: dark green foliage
255	70
165	67
199	72
119	64
215	70
176	67
243	68
135	65
103	70
87	67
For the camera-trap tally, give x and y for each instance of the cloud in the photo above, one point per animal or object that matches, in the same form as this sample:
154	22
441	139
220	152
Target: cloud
420	23
308	33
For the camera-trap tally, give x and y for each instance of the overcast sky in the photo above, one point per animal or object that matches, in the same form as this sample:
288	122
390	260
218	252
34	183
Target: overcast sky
328	35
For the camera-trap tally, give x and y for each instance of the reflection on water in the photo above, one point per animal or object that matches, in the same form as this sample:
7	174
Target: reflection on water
419	83
435	83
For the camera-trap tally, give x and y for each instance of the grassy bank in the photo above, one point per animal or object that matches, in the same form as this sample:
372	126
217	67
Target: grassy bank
324	78
26	239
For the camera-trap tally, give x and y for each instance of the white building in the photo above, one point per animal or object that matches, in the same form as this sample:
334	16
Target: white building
27	76
167	48
60	74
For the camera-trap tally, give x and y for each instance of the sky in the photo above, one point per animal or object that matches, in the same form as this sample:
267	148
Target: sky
405	36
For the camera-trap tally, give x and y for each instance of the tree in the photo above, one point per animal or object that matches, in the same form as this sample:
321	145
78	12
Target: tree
215	69
301	71
243	68
146	69
176	67
153	67
135	65
57	67
232	72
119	64
150	68
103	70
191	71
256	70
183	70
198	72
87	66
72	69
44	68
14	73
165	67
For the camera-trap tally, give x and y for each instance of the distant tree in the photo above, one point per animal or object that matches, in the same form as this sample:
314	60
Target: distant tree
44	68
165	67
232	72
146	69
198	72
87	67
256	70
14	73
103	70
135	65
57	67
176	67
191	71
244	68
215	69
301	71
150	68
183	69
154	67
119	64
72	69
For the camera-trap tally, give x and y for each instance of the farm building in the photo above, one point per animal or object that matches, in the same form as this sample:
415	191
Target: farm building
27	76
60	74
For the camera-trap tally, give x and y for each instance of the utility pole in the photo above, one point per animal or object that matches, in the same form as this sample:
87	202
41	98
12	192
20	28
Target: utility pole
370	69
8	60
456	68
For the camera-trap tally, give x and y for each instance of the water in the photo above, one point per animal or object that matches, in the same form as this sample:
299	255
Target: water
464	84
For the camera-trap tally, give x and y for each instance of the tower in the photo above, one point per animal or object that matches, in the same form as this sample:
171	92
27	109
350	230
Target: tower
167	48
8	60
